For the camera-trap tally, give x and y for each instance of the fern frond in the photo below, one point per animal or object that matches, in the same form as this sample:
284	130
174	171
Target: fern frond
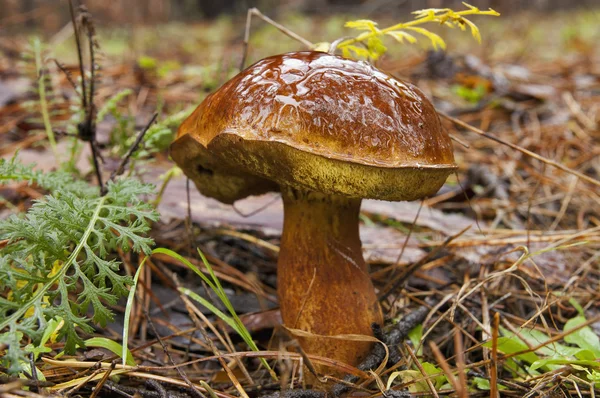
61	246
54	181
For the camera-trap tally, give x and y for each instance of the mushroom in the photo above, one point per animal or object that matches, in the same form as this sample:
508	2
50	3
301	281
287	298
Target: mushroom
324	131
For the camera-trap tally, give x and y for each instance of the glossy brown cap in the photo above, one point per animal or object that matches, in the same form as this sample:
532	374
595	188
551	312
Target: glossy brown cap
315	121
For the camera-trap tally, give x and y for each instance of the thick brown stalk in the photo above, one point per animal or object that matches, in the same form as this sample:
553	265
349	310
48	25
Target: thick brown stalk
323	284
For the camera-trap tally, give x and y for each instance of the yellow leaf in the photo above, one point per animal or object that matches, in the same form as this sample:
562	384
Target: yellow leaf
436	41
376	47
358	52
362	24
461	22
474	30
401	36
429	12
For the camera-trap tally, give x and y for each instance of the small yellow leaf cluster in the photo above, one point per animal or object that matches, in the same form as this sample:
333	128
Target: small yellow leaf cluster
369	44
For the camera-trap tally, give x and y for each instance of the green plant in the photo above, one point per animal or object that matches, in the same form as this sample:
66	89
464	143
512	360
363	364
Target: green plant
472	95
57	263
232	320
371	40
581	351
34	66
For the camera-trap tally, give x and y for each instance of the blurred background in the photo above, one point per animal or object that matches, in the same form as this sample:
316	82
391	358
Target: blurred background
50	15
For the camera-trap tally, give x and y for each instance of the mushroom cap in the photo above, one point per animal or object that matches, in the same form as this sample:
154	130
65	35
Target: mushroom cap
315	121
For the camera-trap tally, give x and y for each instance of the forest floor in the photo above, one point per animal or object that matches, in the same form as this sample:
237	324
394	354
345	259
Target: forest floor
502	265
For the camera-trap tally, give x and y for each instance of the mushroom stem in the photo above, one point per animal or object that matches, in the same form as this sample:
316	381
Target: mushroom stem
323	284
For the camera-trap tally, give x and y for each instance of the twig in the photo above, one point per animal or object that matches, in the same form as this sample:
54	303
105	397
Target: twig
79	55
439	357
194	316
168	354
132	149
68	75
522	150
127	391
160	389
103	380
87	129
422	370
95	156
408	271
257	210
188	219
34	375
494	364
460	364
296	394
393	338
254	11
409	234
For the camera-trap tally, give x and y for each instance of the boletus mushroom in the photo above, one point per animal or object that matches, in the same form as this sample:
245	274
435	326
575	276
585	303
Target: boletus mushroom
324	131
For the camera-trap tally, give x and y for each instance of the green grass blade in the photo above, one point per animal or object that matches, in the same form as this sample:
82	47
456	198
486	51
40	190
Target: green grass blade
233	321
112	346
128	307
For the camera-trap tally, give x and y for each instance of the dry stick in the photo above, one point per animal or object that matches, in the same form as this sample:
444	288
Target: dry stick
9	383
529	207
132	149
34	375
103	380
68	75
520	149
444	365
254	11
460	364
168	354
296	394
188	218
82	383
255	211
485	315
95	155
395	337
494	364
160	389
249	238
90	109
408	271
462	189
78	43
190	308
408	235
565	204
423	372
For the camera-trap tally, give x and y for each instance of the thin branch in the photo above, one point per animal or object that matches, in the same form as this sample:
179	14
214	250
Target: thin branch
254	11
78	42
170	358
91	111
95	155
408	271
255	211
520	149
395	337
68	75
132	149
